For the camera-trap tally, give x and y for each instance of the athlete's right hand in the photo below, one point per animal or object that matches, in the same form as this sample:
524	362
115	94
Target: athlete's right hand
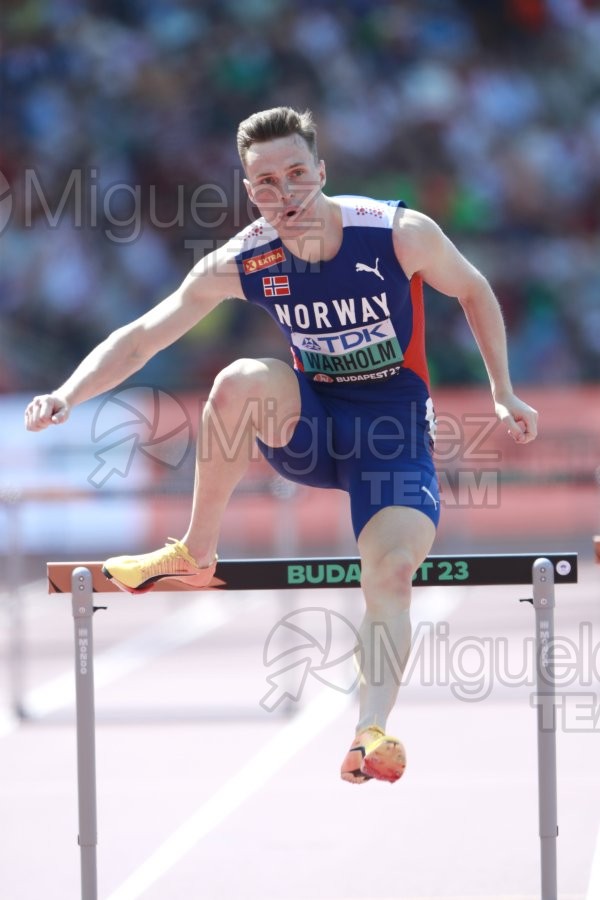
47	409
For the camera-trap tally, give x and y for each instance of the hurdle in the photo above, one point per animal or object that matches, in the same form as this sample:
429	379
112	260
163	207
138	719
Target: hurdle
541	571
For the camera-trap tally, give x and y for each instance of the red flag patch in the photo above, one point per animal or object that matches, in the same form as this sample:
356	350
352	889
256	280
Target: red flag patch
276	286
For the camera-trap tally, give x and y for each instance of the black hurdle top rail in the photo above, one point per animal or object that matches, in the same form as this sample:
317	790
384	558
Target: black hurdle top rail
467	570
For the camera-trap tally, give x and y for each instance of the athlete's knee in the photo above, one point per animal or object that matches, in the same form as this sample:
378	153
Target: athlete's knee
388	579
239	382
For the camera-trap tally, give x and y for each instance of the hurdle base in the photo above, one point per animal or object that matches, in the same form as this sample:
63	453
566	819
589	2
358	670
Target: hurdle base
548	852
89	871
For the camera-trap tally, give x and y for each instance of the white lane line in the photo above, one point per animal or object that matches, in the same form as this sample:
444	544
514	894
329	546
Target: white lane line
323	710
593	891
195	620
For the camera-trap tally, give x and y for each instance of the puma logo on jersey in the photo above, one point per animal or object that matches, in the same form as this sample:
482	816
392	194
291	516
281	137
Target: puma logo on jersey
363	267
435	502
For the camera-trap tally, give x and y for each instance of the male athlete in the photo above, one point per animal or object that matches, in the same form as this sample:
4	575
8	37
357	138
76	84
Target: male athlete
342	277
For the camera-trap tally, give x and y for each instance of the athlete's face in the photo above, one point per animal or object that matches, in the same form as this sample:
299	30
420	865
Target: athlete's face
284	181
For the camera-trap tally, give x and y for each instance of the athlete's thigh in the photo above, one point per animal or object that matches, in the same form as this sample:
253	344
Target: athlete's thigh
396	528
306	456
281	401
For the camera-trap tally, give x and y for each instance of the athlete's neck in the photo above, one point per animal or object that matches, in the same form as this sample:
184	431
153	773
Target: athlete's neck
323	237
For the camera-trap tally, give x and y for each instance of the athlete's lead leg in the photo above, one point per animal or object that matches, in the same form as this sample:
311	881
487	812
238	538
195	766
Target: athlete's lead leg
249	399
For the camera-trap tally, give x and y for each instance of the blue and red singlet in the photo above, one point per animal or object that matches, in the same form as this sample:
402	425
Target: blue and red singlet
355	327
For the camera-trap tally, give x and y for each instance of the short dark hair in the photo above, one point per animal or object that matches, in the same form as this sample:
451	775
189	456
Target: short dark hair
281	121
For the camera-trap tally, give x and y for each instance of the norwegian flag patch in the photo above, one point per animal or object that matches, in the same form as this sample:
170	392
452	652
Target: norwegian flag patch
276	286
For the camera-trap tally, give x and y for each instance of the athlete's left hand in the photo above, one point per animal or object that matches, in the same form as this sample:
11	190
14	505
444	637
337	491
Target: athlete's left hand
519	418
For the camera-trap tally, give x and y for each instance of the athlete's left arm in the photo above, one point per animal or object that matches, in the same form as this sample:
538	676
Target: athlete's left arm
423	249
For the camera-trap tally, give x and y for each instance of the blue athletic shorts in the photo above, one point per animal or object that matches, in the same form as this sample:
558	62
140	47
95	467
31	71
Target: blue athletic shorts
373	441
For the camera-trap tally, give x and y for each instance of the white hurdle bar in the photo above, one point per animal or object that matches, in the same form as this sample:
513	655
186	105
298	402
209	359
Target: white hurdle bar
542	571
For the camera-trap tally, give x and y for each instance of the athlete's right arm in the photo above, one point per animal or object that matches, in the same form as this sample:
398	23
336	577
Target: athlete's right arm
129	348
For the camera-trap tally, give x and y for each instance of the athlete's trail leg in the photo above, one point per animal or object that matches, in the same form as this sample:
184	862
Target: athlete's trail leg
392	546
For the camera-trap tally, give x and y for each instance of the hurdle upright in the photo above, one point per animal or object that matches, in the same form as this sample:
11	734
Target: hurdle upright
541	571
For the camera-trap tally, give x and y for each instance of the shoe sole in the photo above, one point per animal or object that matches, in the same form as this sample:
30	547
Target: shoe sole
355	777
386	762
151	583
142	589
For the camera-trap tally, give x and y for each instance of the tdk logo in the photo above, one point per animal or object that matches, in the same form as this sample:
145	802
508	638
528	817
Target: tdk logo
351	339
344	341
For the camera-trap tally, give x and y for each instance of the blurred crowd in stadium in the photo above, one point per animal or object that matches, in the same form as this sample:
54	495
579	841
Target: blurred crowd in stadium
118	143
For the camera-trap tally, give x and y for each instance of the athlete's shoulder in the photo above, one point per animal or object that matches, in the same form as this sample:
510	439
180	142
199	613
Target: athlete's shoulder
414	226
418	240
366	211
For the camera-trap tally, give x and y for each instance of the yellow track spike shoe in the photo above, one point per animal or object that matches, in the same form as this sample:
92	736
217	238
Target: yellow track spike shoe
138	574
374	754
